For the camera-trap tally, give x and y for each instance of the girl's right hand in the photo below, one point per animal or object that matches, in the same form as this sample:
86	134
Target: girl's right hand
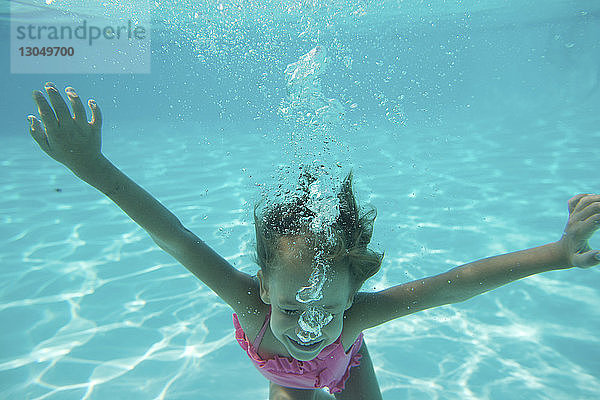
584	220
70	140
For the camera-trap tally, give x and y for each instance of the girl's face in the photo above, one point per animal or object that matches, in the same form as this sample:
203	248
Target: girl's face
285	280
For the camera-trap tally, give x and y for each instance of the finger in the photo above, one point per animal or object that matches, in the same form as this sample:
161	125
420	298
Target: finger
46	112
77	106
587	259
59	105
96	114
585	202
574	200
589	210
37	132
586	228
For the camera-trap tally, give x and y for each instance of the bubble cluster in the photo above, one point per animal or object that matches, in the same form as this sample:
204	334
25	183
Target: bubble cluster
306	103
323	201
313	319
310	189
311	115
304	72
311	322
313	292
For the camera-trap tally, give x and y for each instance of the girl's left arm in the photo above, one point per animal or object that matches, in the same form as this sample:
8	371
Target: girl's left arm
469	280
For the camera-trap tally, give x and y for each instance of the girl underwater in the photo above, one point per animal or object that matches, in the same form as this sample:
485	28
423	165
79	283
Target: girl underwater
300	320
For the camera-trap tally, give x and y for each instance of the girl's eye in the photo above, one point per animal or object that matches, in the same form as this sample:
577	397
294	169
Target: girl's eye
289	312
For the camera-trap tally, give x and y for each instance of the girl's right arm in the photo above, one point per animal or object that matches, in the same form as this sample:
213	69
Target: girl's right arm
74	142
474	278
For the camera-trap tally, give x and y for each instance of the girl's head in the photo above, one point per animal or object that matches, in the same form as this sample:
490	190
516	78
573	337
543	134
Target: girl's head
330	265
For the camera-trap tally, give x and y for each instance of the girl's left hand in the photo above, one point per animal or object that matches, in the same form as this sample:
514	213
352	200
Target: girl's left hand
584	219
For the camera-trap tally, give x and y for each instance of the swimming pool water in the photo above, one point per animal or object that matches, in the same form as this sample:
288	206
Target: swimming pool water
91	308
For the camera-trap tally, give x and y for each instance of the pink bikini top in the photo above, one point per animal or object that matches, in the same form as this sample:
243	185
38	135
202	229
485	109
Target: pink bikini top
330	368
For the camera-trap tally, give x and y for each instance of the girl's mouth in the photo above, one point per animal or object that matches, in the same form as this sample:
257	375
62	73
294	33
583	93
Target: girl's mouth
304	347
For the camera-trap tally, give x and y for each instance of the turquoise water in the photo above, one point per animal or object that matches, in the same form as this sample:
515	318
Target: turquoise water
468	126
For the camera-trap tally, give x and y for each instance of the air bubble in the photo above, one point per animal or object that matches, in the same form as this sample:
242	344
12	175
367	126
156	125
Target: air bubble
306	104
311	322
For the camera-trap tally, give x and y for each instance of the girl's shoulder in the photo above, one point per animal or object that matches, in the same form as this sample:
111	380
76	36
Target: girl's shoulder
354	319
350	331
252	323
252	313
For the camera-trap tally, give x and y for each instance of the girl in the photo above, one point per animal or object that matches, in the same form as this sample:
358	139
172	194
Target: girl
301	319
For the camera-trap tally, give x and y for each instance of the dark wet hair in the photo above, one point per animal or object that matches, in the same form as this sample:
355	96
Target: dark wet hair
351	231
